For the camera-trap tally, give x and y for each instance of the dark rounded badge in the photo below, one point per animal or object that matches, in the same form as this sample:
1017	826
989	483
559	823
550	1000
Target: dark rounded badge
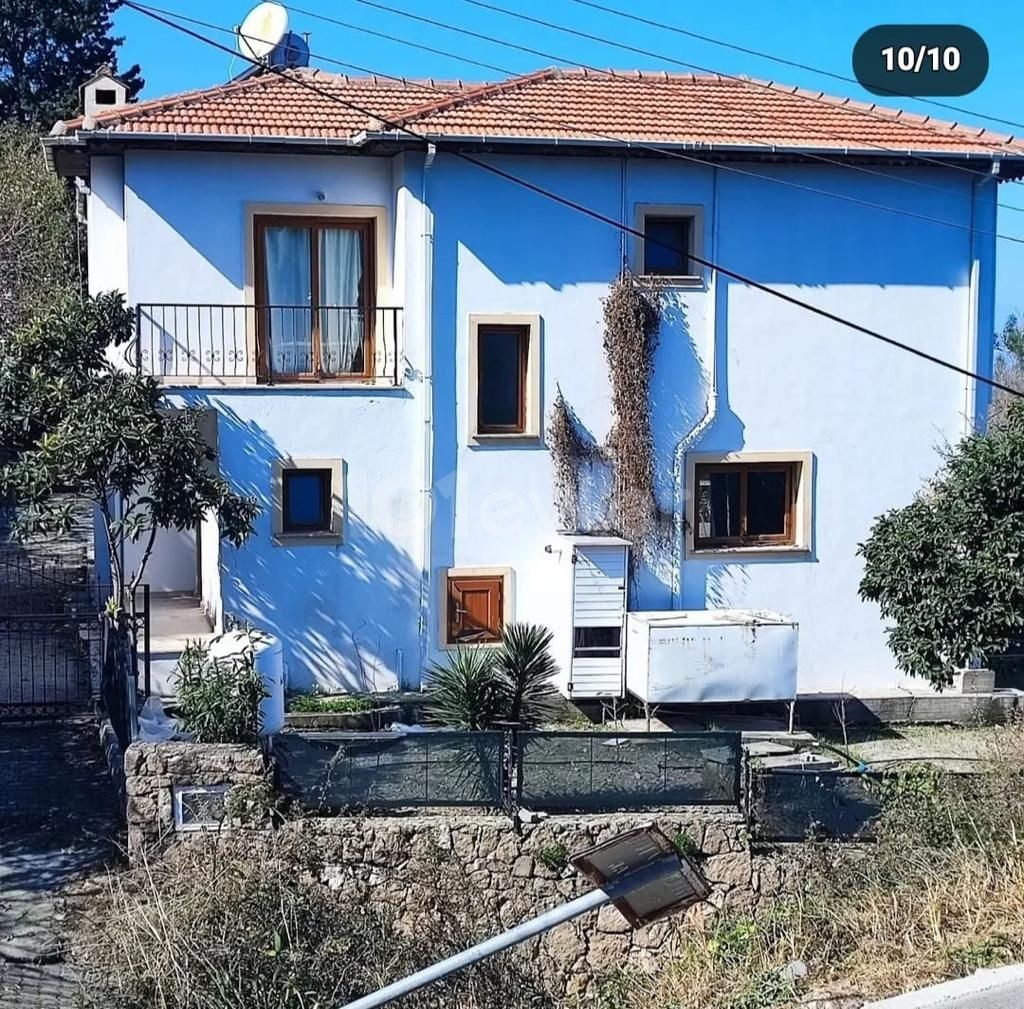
920	60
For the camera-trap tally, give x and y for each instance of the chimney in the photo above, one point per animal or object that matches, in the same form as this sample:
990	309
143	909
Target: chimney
103	92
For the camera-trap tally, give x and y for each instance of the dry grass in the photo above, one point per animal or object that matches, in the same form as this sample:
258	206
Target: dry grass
940	895
243	922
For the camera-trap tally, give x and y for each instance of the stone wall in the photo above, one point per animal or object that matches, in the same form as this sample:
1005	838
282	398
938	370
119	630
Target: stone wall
404	861
152	770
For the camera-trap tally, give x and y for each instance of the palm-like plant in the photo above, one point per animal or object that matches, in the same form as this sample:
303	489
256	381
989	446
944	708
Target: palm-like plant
475	688
465	690
525	668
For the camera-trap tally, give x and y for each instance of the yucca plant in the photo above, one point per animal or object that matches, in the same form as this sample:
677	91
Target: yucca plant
465	691
525	668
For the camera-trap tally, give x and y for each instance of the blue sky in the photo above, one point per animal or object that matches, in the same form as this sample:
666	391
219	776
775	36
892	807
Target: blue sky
820	33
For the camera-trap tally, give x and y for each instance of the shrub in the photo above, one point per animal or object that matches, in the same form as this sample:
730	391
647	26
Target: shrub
475	688
317	703
243	922
218	700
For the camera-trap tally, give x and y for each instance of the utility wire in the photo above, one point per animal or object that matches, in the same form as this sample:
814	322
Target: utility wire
781	60
652	82
638	144
746	81
300	81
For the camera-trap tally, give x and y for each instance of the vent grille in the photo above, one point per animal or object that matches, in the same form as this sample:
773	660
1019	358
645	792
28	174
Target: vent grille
200	807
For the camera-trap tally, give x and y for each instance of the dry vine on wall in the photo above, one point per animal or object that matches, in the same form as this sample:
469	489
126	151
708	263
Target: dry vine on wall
632	315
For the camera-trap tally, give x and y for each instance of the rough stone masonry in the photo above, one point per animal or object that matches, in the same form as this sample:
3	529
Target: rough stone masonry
398	860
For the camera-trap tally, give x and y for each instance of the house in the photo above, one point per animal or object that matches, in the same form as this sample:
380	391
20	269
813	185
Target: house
379	327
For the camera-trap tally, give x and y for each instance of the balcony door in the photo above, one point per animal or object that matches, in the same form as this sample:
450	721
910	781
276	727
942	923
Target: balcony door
314	297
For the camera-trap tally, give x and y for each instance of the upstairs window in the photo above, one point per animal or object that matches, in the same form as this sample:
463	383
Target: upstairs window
314	294
745	504
671	238
503	353
504	383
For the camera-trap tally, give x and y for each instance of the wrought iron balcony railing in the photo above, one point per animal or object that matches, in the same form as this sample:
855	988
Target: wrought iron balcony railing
244	344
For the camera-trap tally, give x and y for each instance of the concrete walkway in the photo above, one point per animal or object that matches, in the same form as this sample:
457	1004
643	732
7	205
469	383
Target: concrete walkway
58	823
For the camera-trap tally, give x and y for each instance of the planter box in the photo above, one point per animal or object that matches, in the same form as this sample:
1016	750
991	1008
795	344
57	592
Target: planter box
352	721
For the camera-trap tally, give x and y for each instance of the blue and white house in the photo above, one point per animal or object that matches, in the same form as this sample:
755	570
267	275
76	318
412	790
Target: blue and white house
378	326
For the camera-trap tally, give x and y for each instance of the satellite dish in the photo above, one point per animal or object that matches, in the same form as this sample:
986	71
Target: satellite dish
292	51
261	31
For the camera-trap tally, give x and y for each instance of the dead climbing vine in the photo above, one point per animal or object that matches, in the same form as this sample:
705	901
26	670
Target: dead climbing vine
632	315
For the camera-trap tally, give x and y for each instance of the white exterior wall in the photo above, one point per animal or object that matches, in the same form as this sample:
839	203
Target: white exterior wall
872	416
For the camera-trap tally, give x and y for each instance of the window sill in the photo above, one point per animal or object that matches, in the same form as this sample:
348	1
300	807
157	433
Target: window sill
497	438
729	553
670	280
451	646
244	382
307	539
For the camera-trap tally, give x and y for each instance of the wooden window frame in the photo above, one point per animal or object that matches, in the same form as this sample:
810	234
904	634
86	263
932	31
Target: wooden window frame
523	331
314	224
326	495
767	541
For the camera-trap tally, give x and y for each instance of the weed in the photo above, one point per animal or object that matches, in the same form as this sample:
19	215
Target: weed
686	845
554	856
320	704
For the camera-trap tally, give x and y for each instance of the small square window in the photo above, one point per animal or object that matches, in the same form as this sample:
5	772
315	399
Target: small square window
667	246
476	603
307	501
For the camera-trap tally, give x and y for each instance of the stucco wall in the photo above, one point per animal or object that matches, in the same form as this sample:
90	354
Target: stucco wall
873	418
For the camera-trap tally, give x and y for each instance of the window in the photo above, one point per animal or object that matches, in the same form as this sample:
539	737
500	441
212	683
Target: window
476	605
315	296
502	356
307	501
745	504
504	364
105	96
308	505
597	643
671	238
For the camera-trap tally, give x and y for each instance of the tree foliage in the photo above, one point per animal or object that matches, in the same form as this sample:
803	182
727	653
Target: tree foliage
1009	367
948	569
48	50
71	423
38	231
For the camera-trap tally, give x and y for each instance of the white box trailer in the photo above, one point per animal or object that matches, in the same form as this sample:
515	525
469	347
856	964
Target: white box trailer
690	656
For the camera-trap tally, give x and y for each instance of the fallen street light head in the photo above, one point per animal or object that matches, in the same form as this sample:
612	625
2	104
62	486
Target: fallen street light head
672	882
641	871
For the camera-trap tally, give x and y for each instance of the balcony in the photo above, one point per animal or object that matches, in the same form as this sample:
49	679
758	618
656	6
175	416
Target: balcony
227	345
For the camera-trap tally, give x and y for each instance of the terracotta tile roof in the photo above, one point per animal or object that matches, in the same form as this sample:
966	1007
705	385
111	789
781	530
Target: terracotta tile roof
638	106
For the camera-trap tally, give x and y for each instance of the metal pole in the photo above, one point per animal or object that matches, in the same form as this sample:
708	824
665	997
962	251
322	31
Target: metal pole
527	930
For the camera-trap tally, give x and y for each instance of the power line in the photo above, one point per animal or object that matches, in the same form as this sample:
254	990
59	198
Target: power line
300	81
746	81
781	60
637	144
447	26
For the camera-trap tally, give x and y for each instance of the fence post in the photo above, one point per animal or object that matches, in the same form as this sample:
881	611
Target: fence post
146	640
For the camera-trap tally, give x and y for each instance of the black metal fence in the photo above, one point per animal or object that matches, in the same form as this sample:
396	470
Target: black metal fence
794	804
119	682
266	343
544	771
599	771
333	771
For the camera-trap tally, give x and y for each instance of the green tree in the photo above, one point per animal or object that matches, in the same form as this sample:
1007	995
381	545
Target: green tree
48	50
948	568
71	423
1009	367
38	231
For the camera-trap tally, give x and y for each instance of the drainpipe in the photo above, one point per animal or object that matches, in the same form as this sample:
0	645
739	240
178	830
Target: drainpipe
973	311
427	495
694	435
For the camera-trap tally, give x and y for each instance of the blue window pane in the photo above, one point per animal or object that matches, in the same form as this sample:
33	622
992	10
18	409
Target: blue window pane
667	245
307	499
